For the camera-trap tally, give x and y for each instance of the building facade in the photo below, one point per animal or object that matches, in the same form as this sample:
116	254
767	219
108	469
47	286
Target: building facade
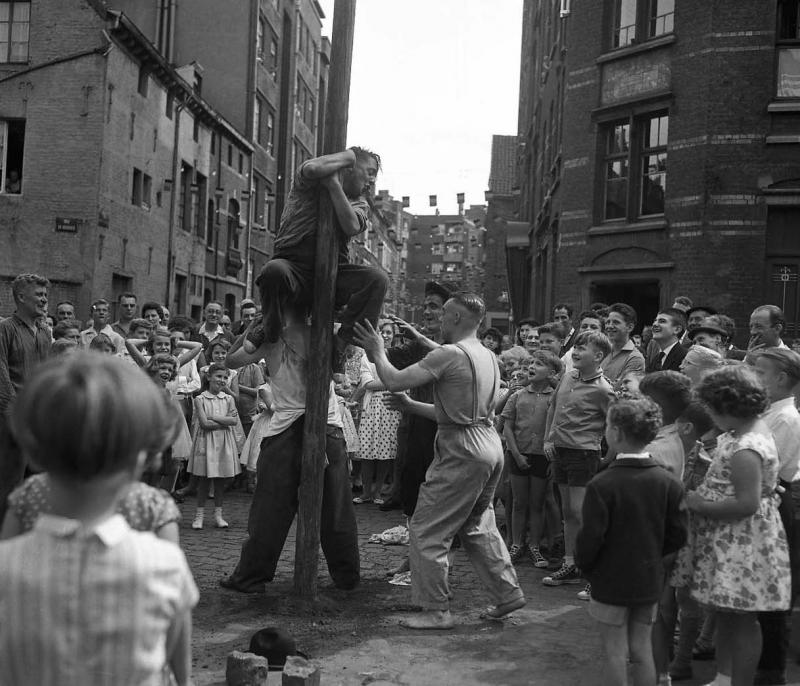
660	154
105	161
447	248
265	68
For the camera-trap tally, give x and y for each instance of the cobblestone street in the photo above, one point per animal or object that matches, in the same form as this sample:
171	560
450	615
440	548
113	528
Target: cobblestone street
355	638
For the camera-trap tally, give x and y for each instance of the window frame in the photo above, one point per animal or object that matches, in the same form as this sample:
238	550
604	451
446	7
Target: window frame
5	137
641	31
7	58
638	150
786	44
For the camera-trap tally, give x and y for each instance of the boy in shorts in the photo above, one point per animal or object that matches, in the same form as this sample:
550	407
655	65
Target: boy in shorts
525	416
632	519
574	429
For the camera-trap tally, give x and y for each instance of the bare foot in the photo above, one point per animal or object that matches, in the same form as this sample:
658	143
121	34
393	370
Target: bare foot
500	611
433	619
404	566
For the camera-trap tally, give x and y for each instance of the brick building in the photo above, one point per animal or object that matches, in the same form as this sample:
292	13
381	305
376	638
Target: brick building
446	248
660	154
265	68
113	148
501	207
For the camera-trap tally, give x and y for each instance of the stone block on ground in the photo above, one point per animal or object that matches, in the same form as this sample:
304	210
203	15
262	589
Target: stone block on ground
300	672
246	669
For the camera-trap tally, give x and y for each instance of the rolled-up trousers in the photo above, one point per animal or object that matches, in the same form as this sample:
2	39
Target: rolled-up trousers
456	498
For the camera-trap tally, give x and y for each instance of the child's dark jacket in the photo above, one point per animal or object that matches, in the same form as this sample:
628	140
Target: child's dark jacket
633	516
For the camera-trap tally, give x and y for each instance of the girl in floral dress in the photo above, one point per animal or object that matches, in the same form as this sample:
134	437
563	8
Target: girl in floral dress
739	549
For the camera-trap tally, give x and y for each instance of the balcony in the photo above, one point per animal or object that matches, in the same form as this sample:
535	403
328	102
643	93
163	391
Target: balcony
233	262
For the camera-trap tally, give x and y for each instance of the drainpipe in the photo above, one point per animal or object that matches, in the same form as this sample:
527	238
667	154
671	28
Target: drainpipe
173	203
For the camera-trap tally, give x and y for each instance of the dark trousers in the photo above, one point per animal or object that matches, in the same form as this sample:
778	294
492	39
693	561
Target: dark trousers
12	465
776	626
360	289
275	503
417	457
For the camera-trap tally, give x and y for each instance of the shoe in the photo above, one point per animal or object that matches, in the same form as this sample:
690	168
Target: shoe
586	593
537	558
503	609
229	583
198	519
219	522
379	501
567	574
361	500
389	505
515	552
703	653
664	680
680	673
768	677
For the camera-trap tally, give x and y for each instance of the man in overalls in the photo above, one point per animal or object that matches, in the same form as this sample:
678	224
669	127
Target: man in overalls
457	495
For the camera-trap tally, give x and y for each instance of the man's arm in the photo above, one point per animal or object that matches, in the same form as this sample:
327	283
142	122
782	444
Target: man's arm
325	165
393	379
348	219
7	393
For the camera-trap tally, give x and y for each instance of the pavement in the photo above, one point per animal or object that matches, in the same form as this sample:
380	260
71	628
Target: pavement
355	638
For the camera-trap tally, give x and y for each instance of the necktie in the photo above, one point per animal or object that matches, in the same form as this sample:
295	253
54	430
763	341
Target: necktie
660	364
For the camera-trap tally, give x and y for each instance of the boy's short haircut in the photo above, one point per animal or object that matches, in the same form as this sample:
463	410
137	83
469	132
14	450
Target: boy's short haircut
554	329
733	391
139	323
549	359
471	302
638	418
676	316
101	341
98	302
365	153
625	311
670	390
598	340
697	413
21	282
60	329
683	300
589	314
89	415
788	361
126	295
564	306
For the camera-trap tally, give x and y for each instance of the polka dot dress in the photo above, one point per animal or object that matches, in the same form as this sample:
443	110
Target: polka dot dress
144	508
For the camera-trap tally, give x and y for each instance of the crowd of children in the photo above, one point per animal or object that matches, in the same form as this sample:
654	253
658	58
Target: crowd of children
667	495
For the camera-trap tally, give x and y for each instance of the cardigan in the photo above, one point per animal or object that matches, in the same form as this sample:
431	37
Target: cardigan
633	516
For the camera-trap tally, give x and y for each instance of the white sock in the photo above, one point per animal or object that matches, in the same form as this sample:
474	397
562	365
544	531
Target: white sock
722	680
569	560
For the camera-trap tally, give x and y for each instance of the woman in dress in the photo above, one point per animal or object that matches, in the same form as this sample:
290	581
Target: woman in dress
378	429
739	550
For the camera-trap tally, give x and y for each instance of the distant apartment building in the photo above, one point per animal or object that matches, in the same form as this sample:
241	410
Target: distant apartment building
447	248
660	147
108	179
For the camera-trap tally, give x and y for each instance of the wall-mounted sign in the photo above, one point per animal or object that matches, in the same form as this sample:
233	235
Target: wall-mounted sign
68	224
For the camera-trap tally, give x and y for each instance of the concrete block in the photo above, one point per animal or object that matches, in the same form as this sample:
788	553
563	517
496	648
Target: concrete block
300	672
246	669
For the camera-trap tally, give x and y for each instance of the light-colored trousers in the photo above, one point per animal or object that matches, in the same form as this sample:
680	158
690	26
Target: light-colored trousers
456	498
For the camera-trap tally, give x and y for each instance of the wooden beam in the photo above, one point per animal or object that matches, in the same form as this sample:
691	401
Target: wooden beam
319	371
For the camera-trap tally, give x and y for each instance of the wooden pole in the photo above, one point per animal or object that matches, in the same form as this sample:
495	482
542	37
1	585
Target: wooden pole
319	370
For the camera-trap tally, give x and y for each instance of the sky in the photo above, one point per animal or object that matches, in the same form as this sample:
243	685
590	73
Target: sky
432	81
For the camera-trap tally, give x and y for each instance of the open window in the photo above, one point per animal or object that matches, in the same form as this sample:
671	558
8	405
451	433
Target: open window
12	149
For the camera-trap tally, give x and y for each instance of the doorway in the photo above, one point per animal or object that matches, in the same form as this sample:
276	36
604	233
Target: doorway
643	296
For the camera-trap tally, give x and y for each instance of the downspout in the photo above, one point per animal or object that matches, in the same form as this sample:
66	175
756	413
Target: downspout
173	203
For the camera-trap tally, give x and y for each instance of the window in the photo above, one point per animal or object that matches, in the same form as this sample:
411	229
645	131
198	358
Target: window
195	130
304	105
635	167
213	143
241	163
300	154
262	29
230	155
233	224
270	133
437	249
198	197
258	109
12	147
15	20
142	189
210	212
437	267
788	81
170	106
144	80
185	198
259	200
272	60
638	20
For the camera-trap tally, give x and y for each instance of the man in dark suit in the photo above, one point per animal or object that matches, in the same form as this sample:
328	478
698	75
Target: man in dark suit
562	313
668	327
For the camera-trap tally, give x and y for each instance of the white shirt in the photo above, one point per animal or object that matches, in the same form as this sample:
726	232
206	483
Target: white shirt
783	421
204	331
89	606
88	335
188	379
632	456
